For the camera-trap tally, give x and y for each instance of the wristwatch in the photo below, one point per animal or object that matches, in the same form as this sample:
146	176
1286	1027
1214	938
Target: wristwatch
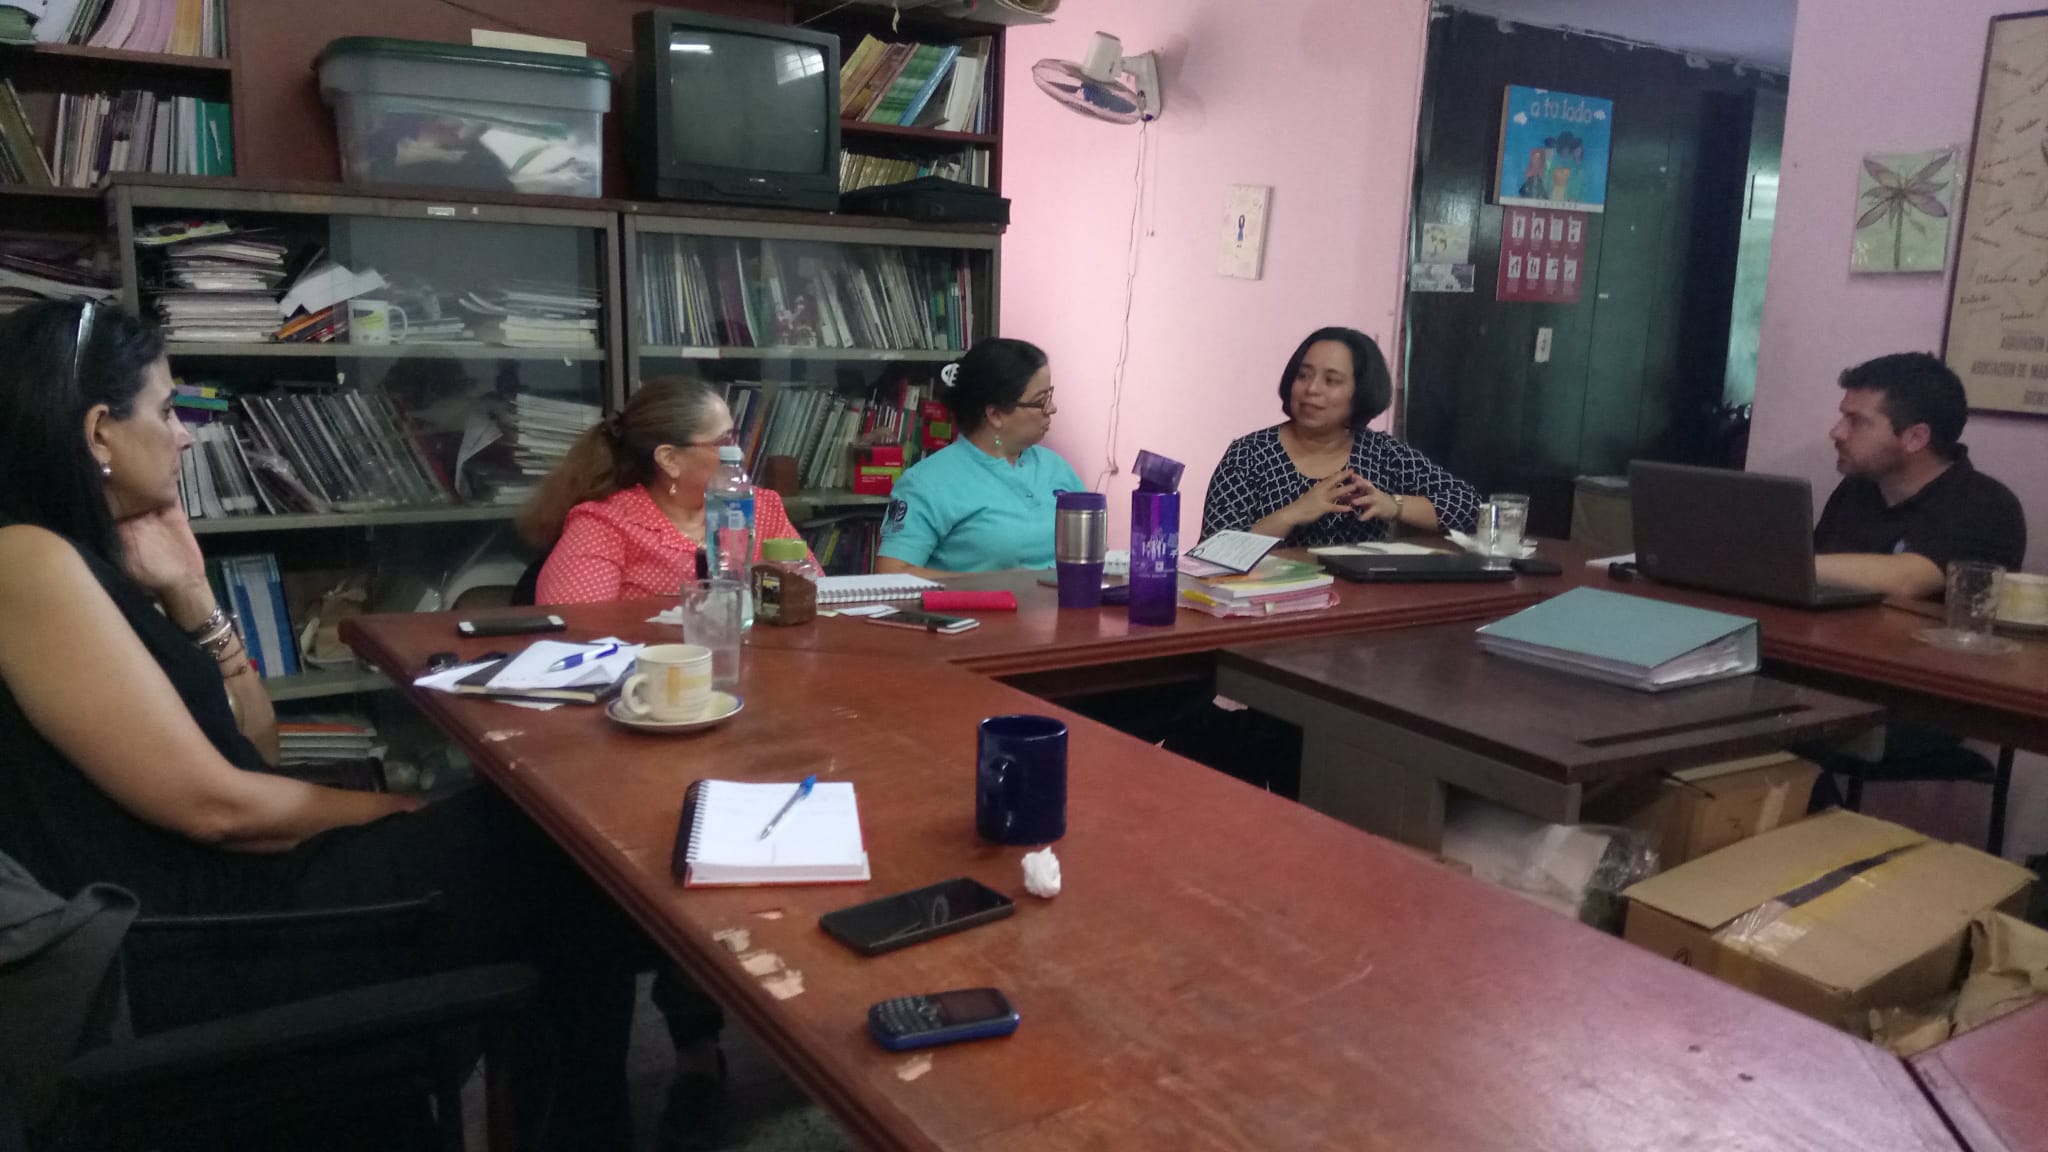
1400	504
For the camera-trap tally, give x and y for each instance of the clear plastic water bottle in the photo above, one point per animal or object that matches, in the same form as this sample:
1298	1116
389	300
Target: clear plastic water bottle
729	525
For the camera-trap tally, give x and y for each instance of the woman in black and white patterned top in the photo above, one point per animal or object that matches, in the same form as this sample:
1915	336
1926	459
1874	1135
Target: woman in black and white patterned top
1323	477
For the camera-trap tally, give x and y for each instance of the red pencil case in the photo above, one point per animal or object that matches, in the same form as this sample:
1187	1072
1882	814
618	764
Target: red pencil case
998	601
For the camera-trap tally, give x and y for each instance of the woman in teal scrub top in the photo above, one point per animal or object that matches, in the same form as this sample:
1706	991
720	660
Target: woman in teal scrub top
984	502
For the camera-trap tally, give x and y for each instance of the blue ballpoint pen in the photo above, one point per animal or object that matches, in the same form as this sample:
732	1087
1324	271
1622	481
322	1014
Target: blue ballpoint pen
802	790
575	659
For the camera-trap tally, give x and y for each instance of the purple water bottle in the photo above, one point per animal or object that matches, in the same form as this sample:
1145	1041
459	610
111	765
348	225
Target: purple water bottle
1080	542
1155	540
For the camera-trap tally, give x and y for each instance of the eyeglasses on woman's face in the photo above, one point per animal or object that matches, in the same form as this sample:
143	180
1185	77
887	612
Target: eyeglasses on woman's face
1042	402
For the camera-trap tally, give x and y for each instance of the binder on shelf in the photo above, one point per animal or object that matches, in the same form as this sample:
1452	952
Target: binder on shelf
254	592
1633	641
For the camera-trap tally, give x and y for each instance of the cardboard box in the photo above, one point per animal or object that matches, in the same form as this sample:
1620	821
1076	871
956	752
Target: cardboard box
1832	916
1699	811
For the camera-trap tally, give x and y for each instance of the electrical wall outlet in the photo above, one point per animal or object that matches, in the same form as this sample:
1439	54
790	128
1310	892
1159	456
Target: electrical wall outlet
1543	345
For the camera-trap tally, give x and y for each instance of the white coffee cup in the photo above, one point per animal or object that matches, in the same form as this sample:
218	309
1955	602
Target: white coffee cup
2024	598
671	683
371	322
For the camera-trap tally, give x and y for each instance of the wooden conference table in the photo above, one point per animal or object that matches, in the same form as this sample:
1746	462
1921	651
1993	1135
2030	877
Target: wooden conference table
1392	721
1874	653
1225	970
1988	1083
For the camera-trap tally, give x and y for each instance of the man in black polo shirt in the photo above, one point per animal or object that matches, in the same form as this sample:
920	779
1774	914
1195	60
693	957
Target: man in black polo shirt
1910	502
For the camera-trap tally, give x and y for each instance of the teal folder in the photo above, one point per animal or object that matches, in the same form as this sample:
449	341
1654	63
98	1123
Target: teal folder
1637	642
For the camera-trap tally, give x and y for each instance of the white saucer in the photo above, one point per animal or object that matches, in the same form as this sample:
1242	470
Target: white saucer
1949	640
724	706
2022	627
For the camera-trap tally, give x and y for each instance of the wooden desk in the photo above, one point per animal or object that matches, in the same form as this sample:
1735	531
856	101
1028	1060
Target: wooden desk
1054	653
1874	653
1988	1083
1225	970
1391	720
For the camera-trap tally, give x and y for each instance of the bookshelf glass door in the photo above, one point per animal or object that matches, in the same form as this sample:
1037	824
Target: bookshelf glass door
806	299
369	367
827	350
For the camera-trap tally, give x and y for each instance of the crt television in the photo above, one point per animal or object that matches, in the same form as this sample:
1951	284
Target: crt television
734	111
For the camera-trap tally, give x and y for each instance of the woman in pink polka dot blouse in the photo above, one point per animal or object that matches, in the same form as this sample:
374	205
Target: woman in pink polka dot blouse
622	516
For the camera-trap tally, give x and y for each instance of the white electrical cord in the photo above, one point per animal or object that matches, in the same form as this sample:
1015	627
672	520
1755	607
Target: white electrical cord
1123	352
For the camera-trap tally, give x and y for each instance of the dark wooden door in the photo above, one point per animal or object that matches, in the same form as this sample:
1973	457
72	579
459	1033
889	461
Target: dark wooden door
1637	366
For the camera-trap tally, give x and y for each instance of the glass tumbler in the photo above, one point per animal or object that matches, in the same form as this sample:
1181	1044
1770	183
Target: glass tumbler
712	617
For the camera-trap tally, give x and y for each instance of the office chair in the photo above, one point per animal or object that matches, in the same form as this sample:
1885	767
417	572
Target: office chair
527	590
378	1065
1912	754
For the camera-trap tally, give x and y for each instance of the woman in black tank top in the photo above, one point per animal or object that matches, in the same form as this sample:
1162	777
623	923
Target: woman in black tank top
135	738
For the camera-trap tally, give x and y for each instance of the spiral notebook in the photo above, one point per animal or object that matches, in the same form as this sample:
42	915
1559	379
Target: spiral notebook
817	842
856	589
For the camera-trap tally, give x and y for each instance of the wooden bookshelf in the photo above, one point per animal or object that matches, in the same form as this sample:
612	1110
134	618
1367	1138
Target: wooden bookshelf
834	498
167	61
386	518
80	68
317	683
897	133
36	192
839	355
232	350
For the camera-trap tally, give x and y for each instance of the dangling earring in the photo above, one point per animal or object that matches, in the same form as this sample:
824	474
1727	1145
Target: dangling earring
106	471
999	441
671	487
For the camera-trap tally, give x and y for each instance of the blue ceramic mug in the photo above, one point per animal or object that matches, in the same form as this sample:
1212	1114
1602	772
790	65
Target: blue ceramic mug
1020	780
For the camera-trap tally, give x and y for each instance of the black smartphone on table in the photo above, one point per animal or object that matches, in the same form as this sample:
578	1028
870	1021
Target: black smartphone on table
913	917
511	625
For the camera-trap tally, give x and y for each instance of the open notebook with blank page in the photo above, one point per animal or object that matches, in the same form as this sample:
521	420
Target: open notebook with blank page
719	842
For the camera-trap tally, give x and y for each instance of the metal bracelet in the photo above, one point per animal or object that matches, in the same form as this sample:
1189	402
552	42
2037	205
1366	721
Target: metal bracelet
217	642
214	622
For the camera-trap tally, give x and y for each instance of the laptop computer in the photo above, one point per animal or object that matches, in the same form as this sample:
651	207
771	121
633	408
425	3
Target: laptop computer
1740	533
1436	568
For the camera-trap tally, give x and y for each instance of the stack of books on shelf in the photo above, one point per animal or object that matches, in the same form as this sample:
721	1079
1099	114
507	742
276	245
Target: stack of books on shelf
703	292
942	86
175	27
536	314
1274	587
87	135
317	739
251	591
543	429
859	170
291	451
819	426
218	285
40	268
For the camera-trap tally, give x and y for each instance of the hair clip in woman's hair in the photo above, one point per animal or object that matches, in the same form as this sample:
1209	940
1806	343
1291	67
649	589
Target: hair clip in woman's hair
950	374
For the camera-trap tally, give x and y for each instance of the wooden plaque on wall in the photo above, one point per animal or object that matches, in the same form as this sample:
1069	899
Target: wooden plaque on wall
1997	337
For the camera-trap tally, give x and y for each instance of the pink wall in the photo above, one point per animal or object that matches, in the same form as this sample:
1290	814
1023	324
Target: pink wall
1869	76
1317	98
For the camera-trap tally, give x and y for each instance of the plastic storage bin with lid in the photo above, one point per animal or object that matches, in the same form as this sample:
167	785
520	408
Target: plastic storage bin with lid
420	112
